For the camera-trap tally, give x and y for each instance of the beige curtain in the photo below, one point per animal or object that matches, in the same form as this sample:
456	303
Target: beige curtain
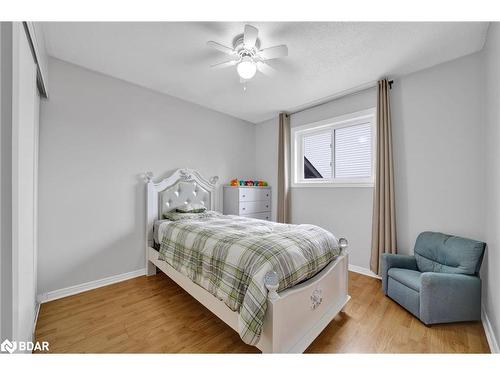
384	217
284	169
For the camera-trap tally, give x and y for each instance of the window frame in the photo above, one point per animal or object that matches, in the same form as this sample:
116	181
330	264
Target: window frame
297	150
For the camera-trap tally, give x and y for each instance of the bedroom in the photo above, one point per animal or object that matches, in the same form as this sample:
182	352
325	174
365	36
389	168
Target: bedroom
124	150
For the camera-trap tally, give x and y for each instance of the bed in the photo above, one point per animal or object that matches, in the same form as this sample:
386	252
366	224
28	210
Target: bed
290	317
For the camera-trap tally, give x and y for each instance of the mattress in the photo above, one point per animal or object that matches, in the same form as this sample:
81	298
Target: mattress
159	228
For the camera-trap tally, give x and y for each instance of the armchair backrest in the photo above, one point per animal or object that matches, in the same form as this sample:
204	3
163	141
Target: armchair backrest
439	252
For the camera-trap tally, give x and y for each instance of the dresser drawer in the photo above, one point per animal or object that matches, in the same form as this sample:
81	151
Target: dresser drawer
260	215
254	194
253	207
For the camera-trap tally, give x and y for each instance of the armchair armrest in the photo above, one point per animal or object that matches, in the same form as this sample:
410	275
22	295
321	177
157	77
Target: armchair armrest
389	261
448	297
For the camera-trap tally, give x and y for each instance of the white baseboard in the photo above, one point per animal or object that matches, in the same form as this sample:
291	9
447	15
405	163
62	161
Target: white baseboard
488	330
69	291
37	312
363	271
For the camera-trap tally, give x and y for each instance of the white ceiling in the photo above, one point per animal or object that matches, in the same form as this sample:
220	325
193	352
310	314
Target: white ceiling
324	58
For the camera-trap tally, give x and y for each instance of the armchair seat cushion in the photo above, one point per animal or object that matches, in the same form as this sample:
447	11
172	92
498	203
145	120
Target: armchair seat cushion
409	278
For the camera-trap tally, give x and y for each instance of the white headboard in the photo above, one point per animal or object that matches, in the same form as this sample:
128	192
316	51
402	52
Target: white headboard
182	186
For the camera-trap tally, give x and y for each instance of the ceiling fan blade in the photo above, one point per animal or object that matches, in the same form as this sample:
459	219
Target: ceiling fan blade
250	36
220	47
265	68
273	52
225	64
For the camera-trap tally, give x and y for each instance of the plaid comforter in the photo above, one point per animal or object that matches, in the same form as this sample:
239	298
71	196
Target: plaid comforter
229	256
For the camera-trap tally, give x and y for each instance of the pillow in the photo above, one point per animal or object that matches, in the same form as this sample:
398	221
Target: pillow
191	208
175	216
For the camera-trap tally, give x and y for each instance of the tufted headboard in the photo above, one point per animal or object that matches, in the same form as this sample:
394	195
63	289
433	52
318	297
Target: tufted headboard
181	193
182	186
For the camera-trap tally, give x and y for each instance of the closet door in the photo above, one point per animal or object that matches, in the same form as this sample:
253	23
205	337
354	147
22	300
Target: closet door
25	104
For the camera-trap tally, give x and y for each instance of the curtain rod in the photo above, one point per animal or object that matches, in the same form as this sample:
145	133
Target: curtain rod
341	94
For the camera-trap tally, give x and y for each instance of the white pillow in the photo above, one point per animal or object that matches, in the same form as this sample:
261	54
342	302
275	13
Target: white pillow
191	208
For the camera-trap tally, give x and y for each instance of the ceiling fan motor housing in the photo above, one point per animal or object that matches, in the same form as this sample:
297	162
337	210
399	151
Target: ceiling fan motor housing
239	46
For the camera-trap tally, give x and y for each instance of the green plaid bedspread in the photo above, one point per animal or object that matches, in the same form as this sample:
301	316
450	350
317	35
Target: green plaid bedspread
229	256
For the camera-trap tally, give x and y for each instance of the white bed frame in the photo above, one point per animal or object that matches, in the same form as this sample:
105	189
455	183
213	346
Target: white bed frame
294	317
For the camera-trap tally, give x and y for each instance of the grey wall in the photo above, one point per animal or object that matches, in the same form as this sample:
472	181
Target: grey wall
97	135
491	265
438	154
438	151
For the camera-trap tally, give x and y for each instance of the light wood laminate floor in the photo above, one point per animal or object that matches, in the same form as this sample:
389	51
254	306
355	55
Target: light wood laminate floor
154	315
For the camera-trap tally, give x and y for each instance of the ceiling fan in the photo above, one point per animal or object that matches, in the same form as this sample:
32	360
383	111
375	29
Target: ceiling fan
247	55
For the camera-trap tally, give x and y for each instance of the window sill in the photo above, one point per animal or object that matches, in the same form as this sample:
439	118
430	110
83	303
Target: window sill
333	185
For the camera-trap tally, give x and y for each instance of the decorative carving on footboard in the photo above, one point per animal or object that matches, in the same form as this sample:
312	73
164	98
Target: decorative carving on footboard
316	298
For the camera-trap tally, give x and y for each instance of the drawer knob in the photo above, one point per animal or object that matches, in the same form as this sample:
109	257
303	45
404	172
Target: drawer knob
244	195
243	208
267	206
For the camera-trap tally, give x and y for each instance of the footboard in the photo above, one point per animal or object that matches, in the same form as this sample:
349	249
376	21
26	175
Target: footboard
296	316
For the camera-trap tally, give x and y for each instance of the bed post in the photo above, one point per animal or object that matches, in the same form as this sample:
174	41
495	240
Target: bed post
150	269
151	216
271	344
271	281
344	244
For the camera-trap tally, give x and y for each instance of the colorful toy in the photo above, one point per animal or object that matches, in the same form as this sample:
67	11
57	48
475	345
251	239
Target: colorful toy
236	182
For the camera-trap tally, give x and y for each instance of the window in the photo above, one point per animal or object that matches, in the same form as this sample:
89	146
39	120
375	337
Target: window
318	155
335	152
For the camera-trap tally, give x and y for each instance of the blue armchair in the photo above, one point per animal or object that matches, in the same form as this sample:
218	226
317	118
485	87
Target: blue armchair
440	283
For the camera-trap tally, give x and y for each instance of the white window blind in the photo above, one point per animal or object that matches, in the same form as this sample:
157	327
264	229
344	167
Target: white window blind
353	151
335	152
318	155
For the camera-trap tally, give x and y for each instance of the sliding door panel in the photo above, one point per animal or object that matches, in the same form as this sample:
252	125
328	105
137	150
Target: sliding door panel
24	178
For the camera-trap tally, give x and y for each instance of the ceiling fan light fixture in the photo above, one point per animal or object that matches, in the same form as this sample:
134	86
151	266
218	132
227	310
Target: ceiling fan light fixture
247	55
246	68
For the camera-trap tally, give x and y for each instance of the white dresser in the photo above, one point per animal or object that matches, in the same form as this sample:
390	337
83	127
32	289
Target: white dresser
248	201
